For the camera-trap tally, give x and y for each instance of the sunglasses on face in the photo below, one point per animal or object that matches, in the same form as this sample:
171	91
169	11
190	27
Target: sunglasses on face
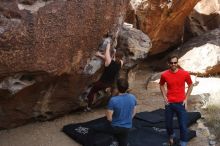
172	62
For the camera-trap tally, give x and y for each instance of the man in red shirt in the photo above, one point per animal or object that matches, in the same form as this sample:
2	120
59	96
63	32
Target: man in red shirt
175	98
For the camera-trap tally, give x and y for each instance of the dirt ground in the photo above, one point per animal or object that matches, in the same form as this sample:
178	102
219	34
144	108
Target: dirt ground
49	133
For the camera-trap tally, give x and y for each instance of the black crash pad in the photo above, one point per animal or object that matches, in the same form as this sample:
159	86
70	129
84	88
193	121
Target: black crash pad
143	133
157	119
83	133
149	136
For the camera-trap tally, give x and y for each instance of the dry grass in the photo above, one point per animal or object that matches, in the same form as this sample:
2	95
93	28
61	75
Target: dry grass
213	115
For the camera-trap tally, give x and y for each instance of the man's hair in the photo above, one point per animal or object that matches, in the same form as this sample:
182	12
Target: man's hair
122	85
171	57
119	55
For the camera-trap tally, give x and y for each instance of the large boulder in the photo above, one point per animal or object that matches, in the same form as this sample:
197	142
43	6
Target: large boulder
45	49
201	55
54	36
134	42
204	17
162	20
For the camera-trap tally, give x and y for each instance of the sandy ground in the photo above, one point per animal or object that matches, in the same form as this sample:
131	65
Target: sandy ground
49	133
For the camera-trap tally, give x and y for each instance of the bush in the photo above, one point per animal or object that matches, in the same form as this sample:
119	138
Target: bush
213	119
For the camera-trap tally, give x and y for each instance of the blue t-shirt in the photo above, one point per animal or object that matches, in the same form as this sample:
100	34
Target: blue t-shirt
122	106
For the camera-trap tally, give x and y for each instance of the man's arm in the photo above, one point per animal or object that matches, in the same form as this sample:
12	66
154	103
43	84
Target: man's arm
188	92
163	91
109	114
108	58
134	112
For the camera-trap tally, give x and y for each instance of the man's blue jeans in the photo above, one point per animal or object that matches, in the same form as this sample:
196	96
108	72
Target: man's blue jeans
180	111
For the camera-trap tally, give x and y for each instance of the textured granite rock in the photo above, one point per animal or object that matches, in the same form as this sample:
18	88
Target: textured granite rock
45	46
162	20
204	17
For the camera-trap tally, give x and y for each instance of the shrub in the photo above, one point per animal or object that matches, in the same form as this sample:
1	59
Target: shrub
213	118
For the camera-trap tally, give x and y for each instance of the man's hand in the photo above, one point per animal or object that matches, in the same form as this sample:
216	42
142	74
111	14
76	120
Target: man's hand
108	90
108	41
166	101
163	91
109	114
185	104
99	54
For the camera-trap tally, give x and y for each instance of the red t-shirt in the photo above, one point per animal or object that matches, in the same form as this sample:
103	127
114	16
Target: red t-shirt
175	84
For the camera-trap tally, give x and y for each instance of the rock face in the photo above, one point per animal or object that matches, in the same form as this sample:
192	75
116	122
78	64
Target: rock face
44	49
162	20
135	42
205	16
54	36
201	55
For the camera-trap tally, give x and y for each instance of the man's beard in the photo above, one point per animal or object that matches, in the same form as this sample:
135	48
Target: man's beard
173	68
